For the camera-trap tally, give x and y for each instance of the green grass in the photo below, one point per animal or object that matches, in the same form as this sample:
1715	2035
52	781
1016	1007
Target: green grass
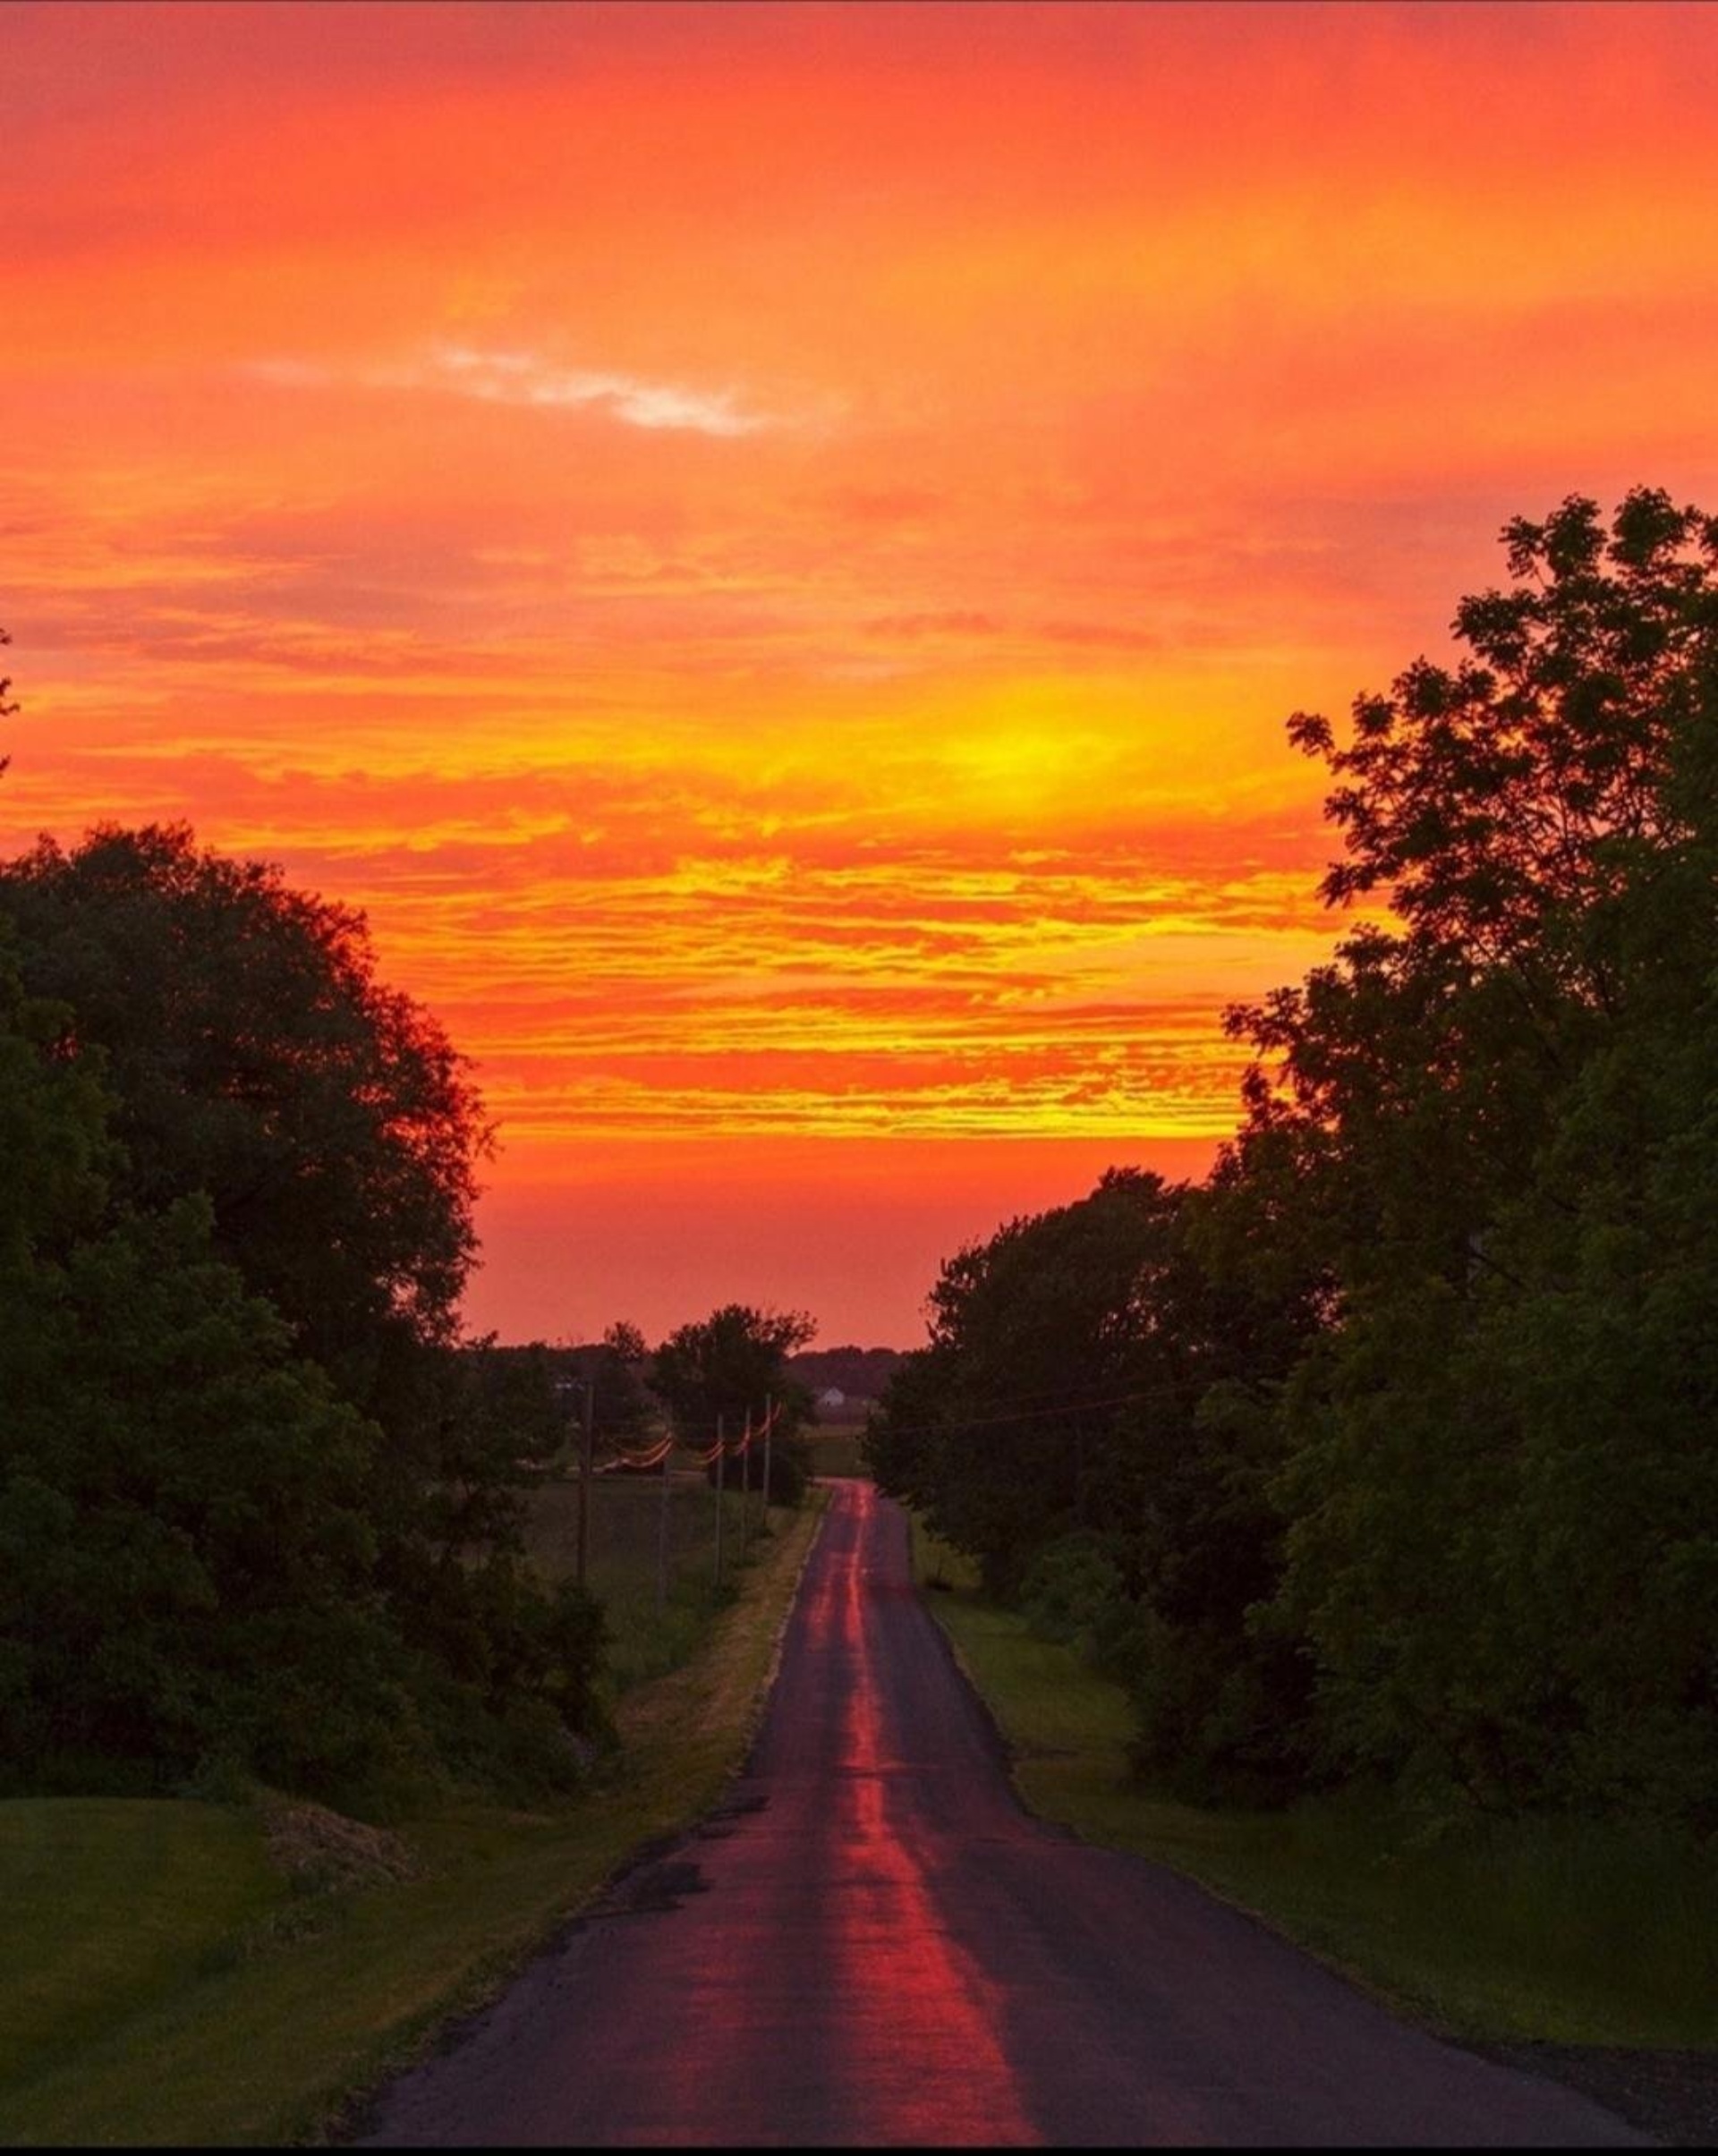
187	1876
163	1986
1558	1931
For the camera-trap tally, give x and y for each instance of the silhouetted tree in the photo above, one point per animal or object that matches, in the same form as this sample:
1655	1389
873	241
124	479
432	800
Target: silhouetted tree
254	1055
724	1367
250	1507
7	710
1090	1419
1422	1481
1499	1114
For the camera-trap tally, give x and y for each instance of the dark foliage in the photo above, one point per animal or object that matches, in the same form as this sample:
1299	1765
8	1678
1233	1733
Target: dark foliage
1091	1420
860	1373
1501	1499
1419	1481
254	1505
252	1054
721	1373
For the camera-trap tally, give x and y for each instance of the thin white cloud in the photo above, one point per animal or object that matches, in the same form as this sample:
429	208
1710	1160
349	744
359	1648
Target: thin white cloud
517	377
522	377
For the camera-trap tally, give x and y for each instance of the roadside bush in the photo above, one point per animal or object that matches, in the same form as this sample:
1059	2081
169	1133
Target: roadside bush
1073	1593
1211	1726
185	1565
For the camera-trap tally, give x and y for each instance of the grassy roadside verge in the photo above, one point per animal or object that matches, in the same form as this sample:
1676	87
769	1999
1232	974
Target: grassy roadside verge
1550	1931
257	2023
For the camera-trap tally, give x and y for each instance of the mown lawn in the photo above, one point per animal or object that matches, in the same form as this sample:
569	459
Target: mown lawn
184	1876
1553	1931
162	1984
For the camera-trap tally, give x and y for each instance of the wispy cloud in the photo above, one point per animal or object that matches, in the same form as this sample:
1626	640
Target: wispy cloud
527	380
517	377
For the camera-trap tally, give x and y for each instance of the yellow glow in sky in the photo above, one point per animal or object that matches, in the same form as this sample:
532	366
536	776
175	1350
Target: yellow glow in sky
770	548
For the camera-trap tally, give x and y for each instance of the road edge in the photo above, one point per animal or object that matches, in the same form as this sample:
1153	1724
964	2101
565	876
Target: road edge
1609	2077
348	2120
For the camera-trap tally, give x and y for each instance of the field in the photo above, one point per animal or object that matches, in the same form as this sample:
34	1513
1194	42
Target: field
166	1982
646	1637
651	1634
1551	1930
835	1448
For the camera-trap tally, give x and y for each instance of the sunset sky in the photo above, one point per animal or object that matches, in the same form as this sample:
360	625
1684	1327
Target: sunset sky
770	548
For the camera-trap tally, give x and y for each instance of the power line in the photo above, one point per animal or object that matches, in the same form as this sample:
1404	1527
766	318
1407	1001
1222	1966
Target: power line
1040	1414
1060	1392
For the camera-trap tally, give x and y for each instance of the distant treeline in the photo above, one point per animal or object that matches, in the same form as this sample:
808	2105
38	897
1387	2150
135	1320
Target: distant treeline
860	1373
716	1374
1391	1450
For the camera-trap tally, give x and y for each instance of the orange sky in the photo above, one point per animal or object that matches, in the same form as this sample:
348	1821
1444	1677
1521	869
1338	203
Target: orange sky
770	547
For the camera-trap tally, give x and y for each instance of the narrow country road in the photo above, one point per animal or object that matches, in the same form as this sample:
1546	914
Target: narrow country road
874	1945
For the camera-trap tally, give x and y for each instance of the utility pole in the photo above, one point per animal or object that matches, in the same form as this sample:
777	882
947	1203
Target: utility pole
662	1537
584	1481
745	1486
721	1478
769	1432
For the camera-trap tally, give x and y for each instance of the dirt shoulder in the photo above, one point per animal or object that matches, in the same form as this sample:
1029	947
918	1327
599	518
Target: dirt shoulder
1672	2094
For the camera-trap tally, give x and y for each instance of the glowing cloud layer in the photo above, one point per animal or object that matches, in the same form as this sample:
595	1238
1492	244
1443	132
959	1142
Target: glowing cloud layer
770	547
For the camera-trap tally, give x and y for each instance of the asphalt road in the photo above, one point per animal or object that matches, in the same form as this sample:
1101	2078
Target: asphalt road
874	1945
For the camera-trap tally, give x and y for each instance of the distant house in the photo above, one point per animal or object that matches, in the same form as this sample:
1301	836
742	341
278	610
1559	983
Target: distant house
833	1397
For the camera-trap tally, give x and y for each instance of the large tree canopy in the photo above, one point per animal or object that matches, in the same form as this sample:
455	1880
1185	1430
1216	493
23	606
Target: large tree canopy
1501	1105
1538	819
1427	1487
1042	1344
720	1371
1090	1419
254	1057
187	1564
254	1505
1499	802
